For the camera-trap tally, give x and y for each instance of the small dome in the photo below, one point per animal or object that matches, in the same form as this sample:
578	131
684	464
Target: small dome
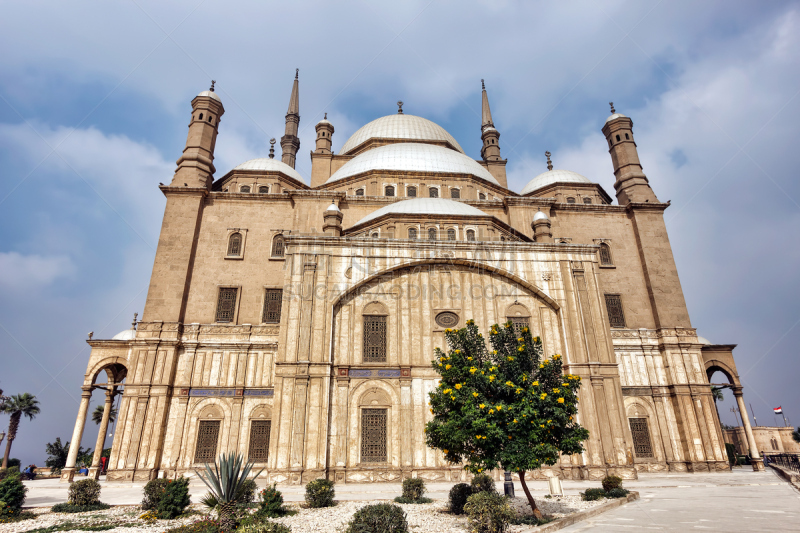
210	94
412	157
488	128
270	165
553	176
333	207
127	335
425	206
703	340
540	216
614	117
403	127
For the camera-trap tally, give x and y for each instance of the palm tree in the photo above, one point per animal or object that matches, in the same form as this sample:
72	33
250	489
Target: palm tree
716	393
21	404
97	415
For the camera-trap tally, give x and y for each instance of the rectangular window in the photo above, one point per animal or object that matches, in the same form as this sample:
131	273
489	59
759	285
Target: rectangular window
519	322
259	440
207	436
374	339
272	306
641	437
373	435
226	304
615	314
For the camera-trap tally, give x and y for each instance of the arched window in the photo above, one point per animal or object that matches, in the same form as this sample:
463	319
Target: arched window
617	138
374	333
201	116
502	238
244	188
587	200
431	234
375	235
605	255
455	193
235	245
451	234
411	192
277	246
412	233
626	137
209	118
359	192
481	196
389	191
263	189
433	192
470	234
570	200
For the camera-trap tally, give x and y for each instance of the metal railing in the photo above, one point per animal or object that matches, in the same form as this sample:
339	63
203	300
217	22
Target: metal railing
790	461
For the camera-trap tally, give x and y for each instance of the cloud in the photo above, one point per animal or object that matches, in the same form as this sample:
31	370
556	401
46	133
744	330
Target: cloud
32	272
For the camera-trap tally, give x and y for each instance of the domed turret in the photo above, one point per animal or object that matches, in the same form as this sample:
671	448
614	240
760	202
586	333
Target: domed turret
541	227
324	136
332	221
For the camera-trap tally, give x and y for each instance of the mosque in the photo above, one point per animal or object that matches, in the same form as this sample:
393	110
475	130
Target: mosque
294	321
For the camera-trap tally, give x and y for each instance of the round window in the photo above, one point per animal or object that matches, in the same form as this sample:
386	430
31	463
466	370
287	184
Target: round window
447	319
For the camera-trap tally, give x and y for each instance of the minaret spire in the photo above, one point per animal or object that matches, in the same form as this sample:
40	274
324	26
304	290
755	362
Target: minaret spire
486	113
490	137
290	143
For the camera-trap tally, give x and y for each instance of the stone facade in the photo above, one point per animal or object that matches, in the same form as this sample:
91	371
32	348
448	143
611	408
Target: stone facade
768	439
296	324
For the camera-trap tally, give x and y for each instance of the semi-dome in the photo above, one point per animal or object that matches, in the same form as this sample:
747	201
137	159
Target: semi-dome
402	127
425	206
266	164
210	94
127	335
553	176
412	157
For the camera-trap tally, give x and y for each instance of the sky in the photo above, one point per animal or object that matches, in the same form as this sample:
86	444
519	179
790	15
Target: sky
95	102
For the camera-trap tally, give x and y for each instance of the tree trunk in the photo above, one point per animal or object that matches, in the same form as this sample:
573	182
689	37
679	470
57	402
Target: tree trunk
536	512
13	424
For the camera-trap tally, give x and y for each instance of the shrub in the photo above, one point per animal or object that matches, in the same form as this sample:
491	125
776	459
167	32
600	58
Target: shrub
458	497
530	520
84	492
320	493
5	472
379	518
148	517
612	482
247	492
14	463
12	493
265	527
617	492
175	499
153	492
413	488
271	504
730	449
593	494
70	508
483	483
488	512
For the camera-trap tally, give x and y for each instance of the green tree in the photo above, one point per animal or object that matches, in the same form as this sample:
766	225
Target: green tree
97	415
716	393
18	405
503	408
57	455
796	434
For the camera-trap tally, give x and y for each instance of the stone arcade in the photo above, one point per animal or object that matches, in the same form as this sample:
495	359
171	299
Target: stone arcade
295	322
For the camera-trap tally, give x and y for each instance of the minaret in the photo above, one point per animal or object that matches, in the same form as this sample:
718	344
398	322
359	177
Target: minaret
196	165
324	136
289	142
631	184
490	150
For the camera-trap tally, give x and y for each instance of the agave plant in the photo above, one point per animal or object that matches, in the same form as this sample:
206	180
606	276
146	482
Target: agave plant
225	483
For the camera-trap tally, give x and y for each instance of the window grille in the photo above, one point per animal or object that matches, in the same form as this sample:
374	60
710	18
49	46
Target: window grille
263	190
451	234
470	235
587	200
373	435
375	339
207	436
389	191
570	200
411	192
433	192
605	254
412	233
273	298
519	322
641	437
226	304
615	314
359	192
235	245
259	440
481	196
447	319
244	188
432	234
455	193
277	246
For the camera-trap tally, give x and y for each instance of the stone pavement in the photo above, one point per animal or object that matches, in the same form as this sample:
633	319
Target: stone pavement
738	501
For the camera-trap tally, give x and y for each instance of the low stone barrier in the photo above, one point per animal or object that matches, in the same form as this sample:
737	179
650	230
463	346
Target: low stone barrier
561	523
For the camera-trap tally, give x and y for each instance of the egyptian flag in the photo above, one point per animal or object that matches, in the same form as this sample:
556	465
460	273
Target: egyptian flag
778	411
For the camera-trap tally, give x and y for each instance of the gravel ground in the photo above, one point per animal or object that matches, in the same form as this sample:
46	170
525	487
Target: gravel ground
427	518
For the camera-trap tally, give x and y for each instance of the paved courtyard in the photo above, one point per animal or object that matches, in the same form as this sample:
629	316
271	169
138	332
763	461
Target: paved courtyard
739	501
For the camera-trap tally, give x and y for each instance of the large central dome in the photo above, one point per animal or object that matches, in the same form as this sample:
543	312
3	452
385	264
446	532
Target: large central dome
425	206
401	128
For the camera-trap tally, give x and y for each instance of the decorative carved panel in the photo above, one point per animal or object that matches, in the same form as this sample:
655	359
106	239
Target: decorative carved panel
447	319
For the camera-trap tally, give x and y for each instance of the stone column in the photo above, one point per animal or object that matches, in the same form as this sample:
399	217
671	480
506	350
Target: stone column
755	457
68	472
94	471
